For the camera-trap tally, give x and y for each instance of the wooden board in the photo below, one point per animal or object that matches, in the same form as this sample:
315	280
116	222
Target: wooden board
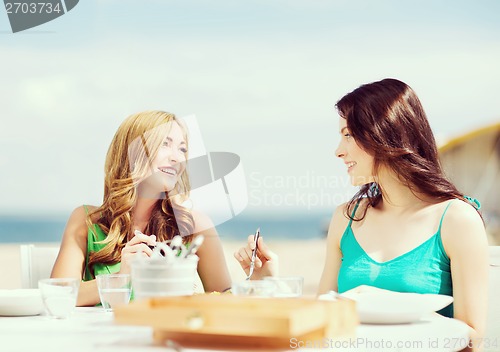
226	320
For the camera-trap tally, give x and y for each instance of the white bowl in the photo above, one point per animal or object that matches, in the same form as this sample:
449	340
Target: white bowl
396	308
163	277
21	302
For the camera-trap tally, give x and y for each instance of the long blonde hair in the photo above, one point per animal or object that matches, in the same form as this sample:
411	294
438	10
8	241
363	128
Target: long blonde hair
128	162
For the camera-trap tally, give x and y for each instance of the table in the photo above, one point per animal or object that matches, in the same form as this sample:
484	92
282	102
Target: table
93	330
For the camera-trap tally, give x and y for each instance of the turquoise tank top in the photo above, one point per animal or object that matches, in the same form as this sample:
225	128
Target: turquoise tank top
424	269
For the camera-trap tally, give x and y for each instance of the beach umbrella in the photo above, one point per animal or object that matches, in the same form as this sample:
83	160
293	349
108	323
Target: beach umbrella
472	162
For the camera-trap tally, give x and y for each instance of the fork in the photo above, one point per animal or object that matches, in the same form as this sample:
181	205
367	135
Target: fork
254	253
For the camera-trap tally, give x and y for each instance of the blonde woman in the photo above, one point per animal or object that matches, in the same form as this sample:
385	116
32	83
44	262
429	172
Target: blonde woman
145	184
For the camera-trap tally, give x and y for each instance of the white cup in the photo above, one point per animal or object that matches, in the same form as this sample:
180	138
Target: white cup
59	296
114	290
160	277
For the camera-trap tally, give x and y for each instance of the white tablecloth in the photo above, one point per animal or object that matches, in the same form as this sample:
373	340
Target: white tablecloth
91	329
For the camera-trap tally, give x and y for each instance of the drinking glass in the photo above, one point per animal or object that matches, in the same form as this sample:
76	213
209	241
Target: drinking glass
253	288
287	286
59	296
114	290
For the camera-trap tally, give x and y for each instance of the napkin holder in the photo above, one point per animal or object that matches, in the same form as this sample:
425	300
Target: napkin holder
226	320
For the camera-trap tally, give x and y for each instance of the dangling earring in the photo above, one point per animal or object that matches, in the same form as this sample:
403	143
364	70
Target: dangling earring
373	190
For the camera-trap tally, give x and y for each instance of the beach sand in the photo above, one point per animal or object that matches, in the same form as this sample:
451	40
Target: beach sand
297	258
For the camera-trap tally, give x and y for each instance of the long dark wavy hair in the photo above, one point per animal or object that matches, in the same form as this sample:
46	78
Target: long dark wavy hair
388	121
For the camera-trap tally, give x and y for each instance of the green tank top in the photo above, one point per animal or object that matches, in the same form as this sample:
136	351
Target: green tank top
424	269
95	234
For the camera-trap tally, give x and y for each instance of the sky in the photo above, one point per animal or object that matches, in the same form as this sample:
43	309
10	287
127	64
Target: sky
261	77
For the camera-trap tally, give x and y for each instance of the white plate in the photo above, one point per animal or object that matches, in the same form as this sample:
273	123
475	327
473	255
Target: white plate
20	302
389	307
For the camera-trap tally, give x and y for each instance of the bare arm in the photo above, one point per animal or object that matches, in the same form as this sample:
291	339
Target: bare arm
212	266
71	259
333	259
465	242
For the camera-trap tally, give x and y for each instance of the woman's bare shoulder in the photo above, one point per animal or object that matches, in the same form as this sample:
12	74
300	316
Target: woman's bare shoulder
343	211
462	226
460	213
77	222
340	213
338	223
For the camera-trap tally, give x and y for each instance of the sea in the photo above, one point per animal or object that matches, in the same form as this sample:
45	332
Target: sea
295	226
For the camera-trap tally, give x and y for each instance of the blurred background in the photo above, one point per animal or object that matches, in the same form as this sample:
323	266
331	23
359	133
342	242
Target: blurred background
262	78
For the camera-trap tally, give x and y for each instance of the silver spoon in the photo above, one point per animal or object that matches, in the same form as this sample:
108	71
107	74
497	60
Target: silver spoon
176	245
197	242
